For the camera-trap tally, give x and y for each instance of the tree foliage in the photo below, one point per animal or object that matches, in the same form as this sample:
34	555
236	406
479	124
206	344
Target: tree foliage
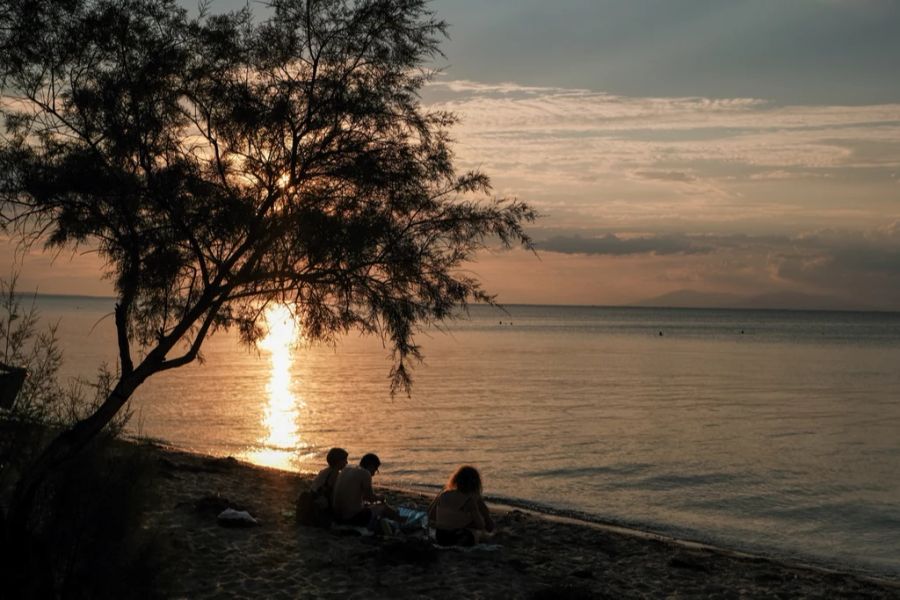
218	164
23	345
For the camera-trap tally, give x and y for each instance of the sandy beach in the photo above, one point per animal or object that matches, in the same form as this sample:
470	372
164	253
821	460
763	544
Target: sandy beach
531	555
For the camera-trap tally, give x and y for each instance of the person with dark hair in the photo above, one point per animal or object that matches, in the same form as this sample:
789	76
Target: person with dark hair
354	501
323	484
459	515
313	506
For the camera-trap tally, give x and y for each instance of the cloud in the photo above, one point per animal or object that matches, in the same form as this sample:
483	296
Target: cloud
857	267
839	257
613	245
543	108
633	161
673	176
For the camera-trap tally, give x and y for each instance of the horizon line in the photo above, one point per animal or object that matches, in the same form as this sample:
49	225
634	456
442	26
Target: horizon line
501	305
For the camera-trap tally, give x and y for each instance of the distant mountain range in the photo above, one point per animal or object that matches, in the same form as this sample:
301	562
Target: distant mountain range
774	300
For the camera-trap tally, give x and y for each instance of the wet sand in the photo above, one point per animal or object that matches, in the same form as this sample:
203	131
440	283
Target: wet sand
532	555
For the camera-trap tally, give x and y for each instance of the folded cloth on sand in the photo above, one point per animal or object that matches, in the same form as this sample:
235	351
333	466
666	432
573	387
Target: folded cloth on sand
236	518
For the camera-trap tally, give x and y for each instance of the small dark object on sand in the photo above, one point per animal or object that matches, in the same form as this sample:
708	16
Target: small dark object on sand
214	504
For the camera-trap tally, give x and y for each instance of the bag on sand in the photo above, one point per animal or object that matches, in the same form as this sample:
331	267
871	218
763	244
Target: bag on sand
313	509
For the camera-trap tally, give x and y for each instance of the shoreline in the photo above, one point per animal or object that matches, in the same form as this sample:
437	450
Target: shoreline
533	552
587	520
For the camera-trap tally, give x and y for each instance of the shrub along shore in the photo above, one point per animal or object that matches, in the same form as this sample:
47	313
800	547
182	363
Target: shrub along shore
531	556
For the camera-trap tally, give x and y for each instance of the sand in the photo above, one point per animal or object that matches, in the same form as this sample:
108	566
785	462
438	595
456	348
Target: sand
532	555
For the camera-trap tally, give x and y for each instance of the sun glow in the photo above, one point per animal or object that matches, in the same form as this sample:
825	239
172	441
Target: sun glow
280	446
282	332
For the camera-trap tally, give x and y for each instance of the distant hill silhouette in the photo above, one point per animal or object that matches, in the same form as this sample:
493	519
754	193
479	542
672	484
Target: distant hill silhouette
773	300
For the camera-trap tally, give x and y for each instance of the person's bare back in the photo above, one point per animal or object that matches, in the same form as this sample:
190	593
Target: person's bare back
352	489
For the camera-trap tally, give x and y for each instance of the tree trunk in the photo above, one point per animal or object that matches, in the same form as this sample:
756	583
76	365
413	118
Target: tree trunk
62	449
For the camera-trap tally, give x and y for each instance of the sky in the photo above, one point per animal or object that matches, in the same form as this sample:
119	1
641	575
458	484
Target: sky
746	147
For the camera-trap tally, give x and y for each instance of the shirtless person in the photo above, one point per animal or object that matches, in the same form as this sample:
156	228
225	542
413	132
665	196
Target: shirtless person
354	499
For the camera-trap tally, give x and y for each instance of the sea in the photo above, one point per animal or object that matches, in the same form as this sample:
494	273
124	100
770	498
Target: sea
767	431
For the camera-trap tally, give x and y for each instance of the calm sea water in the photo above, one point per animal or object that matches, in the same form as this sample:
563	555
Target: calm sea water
770	431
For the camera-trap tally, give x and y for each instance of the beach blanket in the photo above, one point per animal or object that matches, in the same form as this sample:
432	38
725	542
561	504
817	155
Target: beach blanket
387	528
411	515
413	520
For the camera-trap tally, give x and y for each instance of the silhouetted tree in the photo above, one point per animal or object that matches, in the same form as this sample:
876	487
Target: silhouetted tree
217	164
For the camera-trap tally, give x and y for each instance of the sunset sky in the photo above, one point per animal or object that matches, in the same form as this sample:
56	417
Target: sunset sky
725	146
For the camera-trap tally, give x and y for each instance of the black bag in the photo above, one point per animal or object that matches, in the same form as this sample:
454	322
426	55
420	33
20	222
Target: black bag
313	509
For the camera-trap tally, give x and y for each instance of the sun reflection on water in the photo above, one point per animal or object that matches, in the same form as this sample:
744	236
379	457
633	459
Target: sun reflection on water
280	446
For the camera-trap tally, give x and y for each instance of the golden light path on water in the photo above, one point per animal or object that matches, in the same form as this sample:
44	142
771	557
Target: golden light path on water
279	448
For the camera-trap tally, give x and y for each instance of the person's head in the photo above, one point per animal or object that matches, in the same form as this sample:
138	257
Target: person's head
337	458
370	462
465	479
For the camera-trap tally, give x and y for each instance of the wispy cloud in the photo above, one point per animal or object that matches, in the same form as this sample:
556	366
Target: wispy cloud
673	176
613	245
543	108
642	159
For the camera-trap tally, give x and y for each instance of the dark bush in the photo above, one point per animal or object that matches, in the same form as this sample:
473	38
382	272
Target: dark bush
87	531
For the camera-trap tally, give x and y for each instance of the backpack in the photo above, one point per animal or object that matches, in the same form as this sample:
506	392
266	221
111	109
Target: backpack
313	509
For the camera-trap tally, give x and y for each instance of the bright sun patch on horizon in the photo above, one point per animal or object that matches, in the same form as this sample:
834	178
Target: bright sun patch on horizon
279	447
283	332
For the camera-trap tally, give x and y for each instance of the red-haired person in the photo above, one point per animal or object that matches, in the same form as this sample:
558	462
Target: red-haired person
459	514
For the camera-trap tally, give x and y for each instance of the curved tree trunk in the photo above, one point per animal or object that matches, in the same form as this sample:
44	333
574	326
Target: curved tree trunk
62	449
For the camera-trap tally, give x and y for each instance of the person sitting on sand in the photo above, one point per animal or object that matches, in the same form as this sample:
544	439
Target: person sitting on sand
354	501
459	514
313	506
323	485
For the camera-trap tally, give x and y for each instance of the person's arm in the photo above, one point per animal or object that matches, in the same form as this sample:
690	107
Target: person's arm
485	516
476	521
321	481
368	493
432	510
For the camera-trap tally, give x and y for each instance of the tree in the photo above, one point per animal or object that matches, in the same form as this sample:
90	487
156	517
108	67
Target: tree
218	164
